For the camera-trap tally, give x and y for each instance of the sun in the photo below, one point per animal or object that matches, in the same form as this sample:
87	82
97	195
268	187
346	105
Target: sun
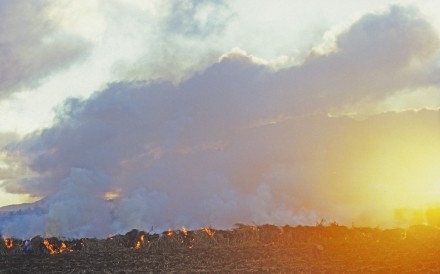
385	164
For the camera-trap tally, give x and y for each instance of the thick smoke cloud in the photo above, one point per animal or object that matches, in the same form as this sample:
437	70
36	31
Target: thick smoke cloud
237	142
375	57
32	46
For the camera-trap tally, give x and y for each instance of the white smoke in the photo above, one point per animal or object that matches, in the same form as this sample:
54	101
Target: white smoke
237	142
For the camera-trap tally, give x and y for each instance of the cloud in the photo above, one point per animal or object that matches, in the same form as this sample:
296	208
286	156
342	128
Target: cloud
377	56
393	40
13	166
185	35
32	46
238	141
198	19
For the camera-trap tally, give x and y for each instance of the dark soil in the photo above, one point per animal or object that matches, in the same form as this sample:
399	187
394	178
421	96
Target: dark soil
335	250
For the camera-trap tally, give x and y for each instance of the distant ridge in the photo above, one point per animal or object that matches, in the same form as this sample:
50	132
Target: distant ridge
16	207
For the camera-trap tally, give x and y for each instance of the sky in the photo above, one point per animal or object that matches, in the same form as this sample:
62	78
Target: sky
169	113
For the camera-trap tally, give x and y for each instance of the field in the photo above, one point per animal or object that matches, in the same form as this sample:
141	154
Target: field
270	249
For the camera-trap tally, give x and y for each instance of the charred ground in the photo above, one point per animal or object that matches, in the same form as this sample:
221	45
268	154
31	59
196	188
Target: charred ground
267	248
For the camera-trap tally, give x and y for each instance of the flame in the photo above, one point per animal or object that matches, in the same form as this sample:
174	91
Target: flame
8	243
112	195
63	247
209	231
140	242
186	240
49	246
169	233
184	231
53	250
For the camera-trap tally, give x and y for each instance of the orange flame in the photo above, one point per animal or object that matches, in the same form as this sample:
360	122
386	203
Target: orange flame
170	233
184	231
140	242
53	250
8	243
63	247
208	231
49	246
186	240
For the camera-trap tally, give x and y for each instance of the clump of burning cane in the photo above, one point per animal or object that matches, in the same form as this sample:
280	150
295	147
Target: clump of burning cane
9	243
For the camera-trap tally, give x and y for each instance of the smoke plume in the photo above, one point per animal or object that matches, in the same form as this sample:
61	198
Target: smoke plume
236	142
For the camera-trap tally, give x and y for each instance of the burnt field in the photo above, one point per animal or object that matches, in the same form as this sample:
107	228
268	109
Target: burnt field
267	248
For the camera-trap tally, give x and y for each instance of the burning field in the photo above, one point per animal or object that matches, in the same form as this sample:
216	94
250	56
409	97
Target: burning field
267	248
